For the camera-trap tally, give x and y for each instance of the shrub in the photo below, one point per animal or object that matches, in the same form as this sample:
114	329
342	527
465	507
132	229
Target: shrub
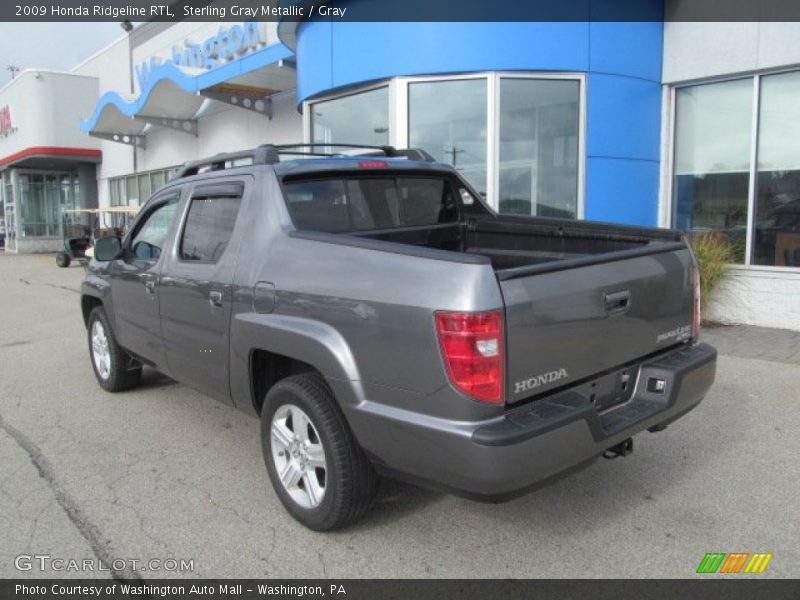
714	253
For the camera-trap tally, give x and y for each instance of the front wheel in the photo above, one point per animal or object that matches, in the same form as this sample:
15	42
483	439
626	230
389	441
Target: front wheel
63	260
319	472
114	368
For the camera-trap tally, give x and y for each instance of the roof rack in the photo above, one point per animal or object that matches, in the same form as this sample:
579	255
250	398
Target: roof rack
269	154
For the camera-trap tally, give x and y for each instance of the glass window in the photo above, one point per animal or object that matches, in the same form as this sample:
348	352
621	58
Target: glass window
150	236
366	203
157	179
777	205
448	119
52	202
113	192
144	188
209	225
356	119
131	191
539	124
712	159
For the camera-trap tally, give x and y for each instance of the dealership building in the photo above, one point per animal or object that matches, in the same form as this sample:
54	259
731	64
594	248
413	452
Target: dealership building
691	125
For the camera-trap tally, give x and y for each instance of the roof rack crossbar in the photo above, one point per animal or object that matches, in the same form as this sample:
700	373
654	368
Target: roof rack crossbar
269	154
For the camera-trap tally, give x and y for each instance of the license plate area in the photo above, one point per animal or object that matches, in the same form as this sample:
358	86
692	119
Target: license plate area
609	390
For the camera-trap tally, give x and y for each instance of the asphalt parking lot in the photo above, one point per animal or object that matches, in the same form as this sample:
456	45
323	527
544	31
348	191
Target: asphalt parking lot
164	472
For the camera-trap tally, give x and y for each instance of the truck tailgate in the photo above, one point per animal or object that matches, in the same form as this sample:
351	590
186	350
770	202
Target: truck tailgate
564	325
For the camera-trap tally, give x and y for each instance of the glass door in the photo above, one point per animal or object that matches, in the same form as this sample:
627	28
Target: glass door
9	229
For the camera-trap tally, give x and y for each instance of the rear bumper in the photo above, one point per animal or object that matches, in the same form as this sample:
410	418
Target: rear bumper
530	446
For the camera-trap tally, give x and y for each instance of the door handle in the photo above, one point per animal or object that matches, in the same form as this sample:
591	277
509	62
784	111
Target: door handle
618	302
215	298
150	286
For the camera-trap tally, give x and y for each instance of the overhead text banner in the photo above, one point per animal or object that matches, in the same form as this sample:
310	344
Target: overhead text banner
406	10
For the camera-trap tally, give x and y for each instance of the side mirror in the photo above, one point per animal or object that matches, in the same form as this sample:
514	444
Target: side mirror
108	248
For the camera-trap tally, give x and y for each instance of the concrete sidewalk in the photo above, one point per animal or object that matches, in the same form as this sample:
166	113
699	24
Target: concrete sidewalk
774	345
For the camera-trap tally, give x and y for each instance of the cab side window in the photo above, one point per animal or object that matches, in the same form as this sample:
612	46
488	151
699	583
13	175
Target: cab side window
148	241
209	224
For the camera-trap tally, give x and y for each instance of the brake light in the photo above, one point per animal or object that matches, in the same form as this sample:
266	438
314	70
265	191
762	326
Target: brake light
373	164
696	316
472	348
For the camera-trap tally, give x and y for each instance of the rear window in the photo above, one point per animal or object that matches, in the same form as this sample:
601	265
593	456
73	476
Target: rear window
365	203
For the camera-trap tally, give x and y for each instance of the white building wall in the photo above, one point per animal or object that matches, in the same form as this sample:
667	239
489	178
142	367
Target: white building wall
224	129
764	296
46	107
111	68
711	50
756	296
221	128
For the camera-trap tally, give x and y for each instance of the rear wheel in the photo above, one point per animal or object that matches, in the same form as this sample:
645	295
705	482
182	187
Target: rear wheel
319	472
63	260
114	368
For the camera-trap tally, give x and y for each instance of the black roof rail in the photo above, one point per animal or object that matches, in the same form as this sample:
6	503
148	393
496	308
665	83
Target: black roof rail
389	151
262	155
269	154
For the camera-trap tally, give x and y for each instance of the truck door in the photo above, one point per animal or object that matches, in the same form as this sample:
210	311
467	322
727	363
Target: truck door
196	287
134	292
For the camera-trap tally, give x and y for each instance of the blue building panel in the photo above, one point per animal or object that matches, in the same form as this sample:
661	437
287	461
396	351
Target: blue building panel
623	117
622	190
632	49
346	54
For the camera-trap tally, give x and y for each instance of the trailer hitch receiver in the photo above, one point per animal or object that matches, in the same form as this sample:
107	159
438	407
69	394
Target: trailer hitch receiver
624	448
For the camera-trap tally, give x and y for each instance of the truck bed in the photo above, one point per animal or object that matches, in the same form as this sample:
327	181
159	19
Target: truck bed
517	246
595	296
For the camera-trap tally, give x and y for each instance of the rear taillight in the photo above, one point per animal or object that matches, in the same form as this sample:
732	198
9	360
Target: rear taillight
472	348
696	316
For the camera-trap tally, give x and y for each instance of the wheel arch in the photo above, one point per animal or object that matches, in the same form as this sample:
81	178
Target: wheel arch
277	346
88	304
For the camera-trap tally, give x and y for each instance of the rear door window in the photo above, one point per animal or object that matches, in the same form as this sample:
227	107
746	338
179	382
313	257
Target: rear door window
212	215
336	205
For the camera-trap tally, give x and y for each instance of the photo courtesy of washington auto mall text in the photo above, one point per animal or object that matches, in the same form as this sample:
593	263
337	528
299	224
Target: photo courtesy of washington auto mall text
400	300
171	590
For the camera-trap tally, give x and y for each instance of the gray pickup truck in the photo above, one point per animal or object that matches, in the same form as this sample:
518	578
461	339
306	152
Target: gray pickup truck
380	318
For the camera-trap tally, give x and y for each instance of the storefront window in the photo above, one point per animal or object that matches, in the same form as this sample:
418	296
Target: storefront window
448	120
43	197
721	179
356	119
144	188
157	178
136	190
113	192
777	205
523	157
538	145
712	160
131	190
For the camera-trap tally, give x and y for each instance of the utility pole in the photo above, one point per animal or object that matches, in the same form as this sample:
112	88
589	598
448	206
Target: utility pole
14	70
453	153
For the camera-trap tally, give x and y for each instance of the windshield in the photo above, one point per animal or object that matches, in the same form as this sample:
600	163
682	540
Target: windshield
336	205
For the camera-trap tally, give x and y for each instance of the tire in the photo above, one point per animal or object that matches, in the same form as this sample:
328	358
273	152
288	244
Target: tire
348	482
63	260
114	368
